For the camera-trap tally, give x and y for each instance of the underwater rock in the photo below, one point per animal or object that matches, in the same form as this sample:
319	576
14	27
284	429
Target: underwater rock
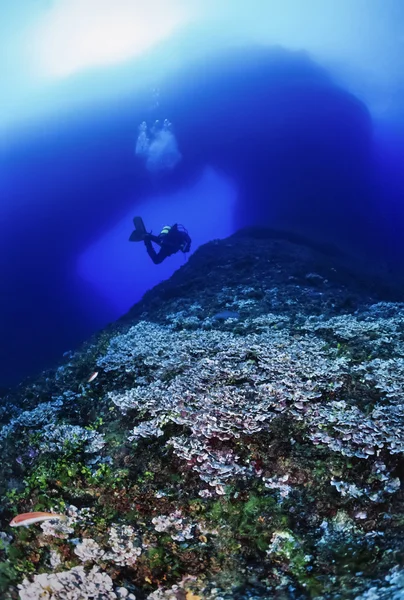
239	458
298	146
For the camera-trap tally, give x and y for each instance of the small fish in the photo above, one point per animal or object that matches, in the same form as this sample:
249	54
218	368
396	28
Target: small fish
92	377
226	314
26	519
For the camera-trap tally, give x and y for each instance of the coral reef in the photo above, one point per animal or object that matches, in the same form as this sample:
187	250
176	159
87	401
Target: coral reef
243	439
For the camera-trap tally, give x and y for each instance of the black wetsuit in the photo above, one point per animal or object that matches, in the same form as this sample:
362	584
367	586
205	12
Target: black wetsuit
169	243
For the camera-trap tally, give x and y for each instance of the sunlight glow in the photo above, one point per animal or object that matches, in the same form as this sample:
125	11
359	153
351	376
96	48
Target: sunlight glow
78	34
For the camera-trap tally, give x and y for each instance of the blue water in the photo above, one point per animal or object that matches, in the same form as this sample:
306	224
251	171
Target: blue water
270	130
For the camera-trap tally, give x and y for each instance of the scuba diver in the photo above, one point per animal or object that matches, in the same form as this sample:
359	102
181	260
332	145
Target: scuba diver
171	239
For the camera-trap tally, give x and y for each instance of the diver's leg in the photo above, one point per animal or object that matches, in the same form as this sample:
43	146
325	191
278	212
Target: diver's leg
162	255
151	251
153	238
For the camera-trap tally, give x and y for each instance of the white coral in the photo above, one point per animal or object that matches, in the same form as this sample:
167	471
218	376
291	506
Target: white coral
88	550
179	528
62	529
125	545
56	437
55	560
75	584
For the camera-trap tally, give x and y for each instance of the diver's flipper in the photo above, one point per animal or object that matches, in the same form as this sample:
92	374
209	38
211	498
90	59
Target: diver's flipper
140	230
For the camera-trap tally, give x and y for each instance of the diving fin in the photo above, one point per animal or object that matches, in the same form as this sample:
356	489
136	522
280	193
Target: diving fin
140	230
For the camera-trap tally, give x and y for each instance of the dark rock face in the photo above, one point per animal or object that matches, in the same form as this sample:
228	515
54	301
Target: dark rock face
263	258
298	146
259	456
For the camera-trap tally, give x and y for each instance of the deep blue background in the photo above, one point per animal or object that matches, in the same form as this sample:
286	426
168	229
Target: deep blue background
302	154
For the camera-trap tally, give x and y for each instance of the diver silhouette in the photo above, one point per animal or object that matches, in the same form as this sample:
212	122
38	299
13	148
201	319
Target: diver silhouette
171	239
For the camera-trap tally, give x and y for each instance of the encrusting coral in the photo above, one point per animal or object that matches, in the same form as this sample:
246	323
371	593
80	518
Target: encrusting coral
244	438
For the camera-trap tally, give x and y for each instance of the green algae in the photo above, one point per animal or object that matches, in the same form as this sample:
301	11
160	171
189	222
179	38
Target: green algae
9	575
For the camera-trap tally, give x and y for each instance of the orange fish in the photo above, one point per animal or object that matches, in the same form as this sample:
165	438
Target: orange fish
92	377
26	519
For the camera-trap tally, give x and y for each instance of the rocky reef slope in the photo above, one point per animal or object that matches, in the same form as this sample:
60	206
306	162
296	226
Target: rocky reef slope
243	438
